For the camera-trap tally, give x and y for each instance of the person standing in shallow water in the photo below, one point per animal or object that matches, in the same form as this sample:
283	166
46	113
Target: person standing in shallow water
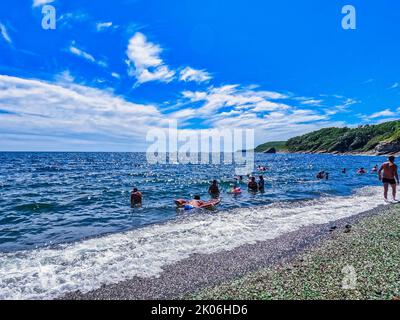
253	186
136	198
261	184
213	190
389	176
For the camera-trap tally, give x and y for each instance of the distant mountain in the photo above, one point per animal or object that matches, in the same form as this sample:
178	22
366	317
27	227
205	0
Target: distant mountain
380	139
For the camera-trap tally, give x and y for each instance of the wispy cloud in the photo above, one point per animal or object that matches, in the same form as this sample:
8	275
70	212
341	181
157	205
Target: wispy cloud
274	115
234	96
381	116
395	86
69	20
115	75
101	26
4	33
145	61
80	53
190	74
312	102
145	64
37	3
368	81
342	107
67	110
65	76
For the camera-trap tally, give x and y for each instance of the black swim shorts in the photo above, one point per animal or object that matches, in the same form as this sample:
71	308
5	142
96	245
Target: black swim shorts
389	181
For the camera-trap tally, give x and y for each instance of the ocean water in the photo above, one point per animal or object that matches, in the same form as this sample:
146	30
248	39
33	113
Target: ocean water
66	222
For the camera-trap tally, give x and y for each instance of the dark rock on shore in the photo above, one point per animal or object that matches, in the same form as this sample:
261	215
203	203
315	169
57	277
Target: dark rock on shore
270	151
384	148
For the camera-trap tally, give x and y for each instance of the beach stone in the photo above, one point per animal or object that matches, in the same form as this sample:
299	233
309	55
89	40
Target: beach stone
348	228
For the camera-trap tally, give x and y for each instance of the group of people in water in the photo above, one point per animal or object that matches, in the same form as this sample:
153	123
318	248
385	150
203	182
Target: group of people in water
253	185
214	191
323	175
387	174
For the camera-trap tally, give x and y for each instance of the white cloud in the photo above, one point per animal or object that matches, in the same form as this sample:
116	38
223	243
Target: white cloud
395	86
235	106
65	76
147	64
312	102
80	53
75	112
381	114
264	106
70	111
234	97
101	26
4	33
73	19
190	74
368	81
343	107
37	3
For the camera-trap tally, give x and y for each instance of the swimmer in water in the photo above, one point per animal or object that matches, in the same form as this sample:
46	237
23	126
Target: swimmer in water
321	175
253	186
213	190
136	198
361	171
261	184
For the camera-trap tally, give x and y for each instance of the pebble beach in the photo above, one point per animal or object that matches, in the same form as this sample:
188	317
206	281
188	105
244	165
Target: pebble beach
310	263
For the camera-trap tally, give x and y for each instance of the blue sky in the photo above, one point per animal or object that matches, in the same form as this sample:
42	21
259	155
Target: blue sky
112	70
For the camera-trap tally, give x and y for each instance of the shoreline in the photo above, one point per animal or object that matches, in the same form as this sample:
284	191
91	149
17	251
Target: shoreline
359	263
201	271
360	154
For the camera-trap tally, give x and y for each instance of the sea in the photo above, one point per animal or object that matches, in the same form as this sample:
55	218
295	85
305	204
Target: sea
66	223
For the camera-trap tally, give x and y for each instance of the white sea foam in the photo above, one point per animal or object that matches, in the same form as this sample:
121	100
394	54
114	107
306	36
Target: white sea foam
86	265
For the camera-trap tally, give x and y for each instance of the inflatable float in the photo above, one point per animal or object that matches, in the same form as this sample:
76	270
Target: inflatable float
235	191
190	204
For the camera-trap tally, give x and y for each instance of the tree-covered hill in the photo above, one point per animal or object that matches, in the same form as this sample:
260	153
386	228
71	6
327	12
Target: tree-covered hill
379	139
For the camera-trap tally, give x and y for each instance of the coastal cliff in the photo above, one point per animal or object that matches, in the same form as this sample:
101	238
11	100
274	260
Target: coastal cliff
381	139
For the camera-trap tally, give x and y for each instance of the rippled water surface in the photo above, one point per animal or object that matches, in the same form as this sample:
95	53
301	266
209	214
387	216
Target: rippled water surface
52	198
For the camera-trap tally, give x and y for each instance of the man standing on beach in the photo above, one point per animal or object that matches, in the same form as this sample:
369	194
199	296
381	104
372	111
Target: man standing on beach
389	176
